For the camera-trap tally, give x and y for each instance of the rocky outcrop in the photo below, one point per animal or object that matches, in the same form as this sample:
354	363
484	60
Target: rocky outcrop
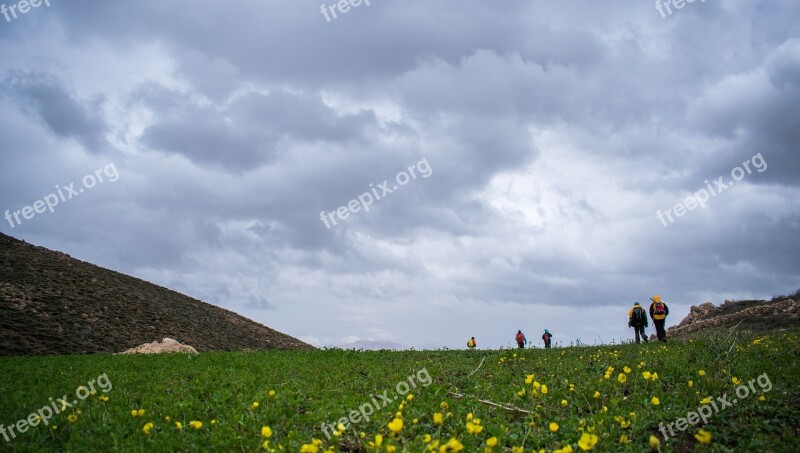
760	315
166	346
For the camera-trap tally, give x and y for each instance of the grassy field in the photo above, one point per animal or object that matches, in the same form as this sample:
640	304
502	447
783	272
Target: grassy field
609	398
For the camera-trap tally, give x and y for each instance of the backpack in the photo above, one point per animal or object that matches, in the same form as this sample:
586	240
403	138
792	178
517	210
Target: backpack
638	315
520	338
659	309
470	343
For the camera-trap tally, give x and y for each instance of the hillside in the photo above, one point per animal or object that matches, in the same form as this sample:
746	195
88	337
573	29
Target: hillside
758	316
51	303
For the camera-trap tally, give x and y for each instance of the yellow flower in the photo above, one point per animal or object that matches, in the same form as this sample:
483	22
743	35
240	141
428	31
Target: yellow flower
701	372
597	394
553	427
378	440
474	427
214	421
587	441
410	397
703	436
566	449
415	421
521	392
544	389
564	403
72	418
691	383
179	425
706	400
452	445
646	375
654	441
266	431
195	424
444	405
622	378
133	413
492	441
395	425
391	449
762	398
469	416
147	428
627	370
255	404
736	380
655	376
309	448
437	419
655	401
529	379
102	398
517	450
623	439
427	438
271	393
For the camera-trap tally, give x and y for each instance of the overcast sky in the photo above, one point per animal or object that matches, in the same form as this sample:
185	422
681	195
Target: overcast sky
550	134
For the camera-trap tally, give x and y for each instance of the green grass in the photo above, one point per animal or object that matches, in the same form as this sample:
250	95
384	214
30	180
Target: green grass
312	387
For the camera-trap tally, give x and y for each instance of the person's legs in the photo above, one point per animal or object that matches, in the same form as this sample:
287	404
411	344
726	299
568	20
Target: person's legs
662	335
636	330
644	334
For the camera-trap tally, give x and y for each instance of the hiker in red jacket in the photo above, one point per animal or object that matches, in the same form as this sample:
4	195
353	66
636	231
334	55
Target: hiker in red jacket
471	343
521	340
546	338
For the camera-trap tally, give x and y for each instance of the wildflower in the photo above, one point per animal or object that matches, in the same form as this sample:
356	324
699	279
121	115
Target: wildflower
655	376
391	449
624	439
474	427
706	400
654	441
410	397
703	436
378	441
521	392
255	404
266	431
437	419
646	375
691	383
566	449
396	425
701	372
564	403
415	421
147	428
444	405
427	438
271	393
655	401
544	389
622	378
140	412
736	380
214	421
491	442
452	445
309	448
72	418
196	424
553	427
597	394
179	425
762	398
469	416
627	370
517	450
102	398
572	387
587	441
529	379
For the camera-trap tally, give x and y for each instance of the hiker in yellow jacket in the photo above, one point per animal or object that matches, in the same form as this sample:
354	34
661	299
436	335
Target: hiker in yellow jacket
471	343
659	312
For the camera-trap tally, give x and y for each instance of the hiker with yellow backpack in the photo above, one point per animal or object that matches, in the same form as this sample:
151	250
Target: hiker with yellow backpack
471	343
659	312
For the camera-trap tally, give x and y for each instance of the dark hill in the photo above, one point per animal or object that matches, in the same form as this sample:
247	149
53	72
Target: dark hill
757	316
51	303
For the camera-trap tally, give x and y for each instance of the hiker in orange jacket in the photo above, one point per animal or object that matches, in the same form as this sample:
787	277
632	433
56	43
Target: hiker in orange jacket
471	343
521	340
659	312
637	318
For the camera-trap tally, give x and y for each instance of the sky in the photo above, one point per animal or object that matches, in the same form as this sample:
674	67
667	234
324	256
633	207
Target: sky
416	171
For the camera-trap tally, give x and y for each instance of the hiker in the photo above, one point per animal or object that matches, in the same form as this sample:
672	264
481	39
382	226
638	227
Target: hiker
546	337
521	340
471	343
637	318
659	312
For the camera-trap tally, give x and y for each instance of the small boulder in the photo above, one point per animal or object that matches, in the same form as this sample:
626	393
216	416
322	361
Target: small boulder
166	345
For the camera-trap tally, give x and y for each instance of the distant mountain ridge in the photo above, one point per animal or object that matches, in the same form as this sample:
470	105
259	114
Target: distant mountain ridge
782	312
51	303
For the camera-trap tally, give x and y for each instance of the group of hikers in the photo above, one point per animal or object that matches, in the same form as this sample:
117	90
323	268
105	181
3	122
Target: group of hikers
637	318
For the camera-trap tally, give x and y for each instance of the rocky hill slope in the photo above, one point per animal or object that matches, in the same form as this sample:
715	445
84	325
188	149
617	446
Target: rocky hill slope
51	303
750	315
